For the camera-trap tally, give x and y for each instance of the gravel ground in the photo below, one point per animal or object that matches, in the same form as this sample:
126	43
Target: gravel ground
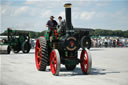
109	67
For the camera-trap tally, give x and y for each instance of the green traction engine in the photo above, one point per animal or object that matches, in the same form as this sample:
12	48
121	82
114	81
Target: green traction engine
17	40
61	47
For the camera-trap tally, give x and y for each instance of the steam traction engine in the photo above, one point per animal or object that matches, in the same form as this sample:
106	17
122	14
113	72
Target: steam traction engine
62	48
17	40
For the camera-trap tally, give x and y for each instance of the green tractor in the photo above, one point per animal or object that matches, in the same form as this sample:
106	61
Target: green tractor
61	47
16	41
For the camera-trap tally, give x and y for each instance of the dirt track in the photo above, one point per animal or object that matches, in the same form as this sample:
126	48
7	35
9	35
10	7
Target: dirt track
109	67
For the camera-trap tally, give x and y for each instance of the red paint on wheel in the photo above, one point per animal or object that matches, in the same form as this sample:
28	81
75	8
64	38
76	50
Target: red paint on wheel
84	59
38	54
53	62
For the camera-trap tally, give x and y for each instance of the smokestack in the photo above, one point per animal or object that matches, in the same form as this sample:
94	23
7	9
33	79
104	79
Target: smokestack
68	17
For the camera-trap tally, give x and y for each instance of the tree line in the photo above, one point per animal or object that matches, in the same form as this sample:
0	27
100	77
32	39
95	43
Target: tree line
32	34
96	32
102	32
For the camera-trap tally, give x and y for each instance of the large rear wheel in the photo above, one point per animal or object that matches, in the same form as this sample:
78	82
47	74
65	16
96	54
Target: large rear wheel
86	61
41	54
55	62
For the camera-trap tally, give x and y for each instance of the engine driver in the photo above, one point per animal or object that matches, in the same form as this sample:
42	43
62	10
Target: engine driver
51	24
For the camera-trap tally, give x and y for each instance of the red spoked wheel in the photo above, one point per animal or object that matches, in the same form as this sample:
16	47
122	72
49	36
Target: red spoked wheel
55	62
41	54
86	61
38	54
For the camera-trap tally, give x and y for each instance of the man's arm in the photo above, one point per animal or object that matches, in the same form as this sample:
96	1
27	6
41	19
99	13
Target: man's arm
47	24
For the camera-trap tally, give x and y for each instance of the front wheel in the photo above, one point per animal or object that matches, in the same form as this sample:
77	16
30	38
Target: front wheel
26	46
55	62
86	61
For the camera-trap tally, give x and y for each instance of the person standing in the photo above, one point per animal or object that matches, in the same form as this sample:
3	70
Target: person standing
60	20
61	25
51	23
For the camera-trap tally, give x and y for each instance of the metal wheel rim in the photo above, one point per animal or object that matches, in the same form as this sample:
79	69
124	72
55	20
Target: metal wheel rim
86	63
38	54
55	62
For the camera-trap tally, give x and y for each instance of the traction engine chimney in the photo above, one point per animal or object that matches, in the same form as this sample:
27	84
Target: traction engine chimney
69	27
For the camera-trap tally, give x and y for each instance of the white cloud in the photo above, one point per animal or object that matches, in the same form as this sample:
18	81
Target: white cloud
3	11
76	15
83	15
80	15
21	10
44	3
30	2
35	0
62	14
101	4
87	15
6	10
9	10
46	13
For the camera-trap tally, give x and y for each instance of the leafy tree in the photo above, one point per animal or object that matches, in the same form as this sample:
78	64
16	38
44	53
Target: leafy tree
96	32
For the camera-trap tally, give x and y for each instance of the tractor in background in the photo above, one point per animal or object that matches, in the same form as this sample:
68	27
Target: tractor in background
62	47
16	41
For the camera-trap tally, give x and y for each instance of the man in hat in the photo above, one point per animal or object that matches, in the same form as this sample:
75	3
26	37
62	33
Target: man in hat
51	22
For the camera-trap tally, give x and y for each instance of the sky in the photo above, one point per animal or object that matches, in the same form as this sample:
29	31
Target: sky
34	14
